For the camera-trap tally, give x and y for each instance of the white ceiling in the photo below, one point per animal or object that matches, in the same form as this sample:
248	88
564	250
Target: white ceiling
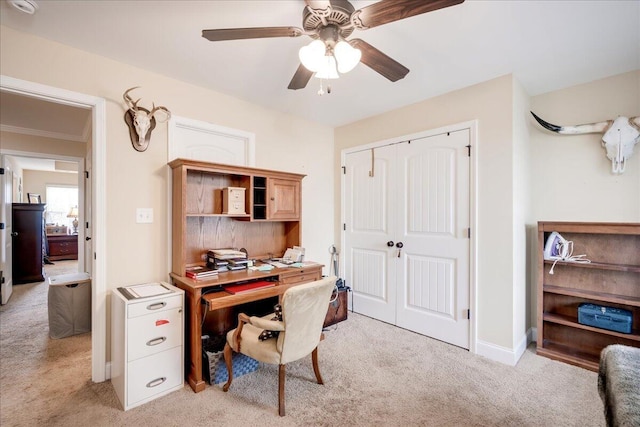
547	45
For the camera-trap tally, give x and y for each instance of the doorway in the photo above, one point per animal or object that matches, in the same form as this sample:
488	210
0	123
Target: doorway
407	232
96	211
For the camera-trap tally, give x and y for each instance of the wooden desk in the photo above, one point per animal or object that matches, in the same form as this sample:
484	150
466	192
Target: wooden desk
287	277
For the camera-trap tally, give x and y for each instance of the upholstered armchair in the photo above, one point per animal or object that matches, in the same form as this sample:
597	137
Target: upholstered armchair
304	308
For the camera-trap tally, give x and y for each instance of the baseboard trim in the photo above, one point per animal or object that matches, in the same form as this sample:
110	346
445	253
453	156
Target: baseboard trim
501	354
107	370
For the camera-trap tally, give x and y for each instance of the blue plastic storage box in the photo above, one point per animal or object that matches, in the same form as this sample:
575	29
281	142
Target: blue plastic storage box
599	316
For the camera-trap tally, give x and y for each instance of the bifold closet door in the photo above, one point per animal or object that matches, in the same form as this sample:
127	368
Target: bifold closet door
406	242
371	183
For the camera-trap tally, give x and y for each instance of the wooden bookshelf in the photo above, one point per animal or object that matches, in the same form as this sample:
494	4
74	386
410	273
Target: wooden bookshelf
611	279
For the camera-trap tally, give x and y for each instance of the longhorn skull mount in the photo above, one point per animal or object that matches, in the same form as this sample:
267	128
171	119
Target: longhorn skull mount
619	137
141	121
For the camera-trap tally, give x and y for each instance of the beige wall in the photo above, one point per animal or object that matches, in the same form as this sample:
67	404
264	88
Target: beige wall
521	212
37	181
491	104
37	144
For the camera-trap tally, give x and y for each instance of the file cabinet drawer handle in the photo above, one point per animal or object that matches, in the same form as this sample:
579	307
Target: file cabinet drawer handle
156	382
156	306
156	341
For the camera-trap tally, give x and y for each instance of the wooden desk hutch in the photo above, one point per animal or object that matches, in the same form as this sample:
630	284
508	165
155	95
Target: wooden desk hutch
270	224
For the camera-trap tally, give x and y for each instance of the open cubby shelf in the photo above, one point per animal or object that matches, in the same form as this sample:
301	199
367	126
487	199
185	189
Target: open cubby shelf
597	265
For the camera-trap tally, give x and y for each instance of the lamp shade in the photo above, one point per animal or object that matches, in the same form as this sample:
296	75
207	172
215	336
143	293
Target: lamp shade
312	55
327	68
347	57
73	213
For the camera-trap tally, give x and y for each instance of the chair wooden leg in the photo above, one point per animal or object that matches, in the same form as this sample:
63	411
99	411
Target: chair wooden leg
316	368
281	376
228	360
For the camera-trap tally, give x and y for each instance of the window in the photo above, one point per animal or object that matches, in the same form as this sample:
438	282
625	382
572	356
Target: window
60	199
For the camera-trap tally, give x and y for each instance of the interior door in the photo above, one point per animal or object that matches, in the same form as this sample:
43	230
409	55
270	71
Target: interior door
433	212
6	198
370	270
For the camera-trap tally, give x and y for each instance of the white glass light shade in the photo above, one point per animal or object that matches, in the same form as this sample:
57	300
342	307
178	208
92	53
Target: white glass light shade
327	68
346	56
312	55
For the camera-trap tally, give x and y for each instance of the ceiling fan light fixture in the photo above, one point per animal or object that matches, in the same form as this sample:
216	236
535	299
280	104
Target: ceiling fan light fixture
347	56
313	55
328	69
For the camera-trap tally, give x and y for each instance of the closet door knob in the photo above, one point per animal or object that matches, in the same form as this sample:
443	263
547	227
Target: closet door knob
390	243
399	245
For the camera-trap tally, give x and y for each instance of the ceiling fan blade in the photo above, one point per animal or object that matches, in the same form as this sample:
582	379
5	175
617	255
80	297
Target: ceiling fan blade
386	11
379	62
300	78
250	33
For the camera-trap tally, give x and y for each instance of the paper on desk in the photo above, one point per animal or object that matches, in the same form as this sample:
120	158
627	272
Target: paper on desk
148	290
263	267
278	264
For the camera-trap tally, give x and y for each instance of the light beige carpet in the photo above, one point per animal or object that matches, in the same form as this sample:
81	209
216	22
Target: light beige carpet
375	375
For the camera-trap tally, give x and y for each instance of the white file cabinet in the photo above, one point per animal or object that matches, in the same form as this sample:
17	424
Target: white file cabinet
147	342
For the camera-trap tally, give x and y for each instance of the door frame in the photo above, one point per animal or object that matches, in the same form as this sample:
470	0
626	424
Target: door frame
81	192
99	204
472	126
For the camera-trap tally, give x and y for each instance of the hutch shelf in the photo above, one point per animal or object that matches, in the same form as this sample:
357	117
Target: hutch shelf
270	224
611	279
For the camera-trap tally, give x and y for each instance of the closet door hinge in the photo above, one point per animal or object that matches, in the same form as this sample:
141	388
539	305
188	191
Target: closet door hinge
344	170
468	314
468	150
469	232
344	226
86	174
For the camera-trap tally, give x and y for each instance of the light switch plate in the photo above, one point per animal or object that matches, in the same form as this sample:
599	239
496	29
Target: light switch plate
144	215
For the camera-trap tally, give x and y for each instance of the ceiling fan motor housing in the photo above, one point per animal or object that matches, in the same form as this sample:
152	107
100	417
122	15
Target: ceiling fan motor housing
338	16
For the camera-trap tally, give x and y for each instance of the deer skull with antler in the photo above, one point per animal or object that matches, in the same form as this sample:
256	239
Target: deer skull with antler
141	121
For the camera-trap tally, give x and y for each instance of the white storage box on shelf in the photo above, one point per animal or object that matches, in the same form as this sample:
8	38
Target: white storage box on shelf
147	341
69	304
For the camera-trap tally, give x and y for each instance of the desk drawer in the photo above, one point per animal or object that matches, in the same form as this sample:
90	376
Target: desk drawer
302	276
154	306
154	374
154	333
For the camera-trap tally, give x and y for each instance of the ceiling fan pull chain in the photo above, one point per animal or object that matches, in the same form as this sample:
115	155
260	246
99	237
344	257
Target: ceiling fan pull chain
321	90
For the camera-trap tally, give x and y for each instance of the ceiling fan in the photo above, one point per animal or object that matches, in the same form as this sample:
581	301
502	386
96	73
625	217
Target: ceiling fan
331	22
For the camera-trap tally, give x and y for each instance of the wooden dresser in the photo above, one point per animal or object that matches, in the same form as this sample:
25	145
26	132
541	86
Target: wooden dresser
28	242
63	246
